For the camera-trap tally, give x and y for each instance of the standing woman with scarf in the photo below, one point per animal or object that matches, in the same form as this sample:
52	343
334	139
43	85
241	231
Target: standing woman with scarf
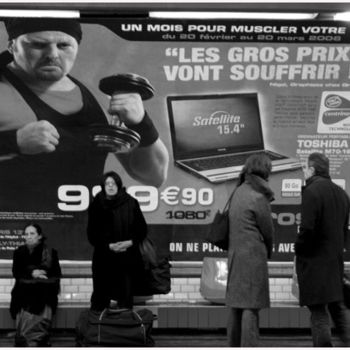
116	226
250	246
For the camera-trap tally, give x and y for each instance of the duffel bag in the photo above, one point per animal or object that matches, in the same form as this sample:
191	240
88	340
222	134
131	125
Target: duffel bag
115	328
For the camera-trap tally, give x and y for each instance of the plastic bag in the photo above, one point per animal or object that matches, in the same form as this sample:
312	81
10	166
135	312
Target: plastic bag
214	279
32	330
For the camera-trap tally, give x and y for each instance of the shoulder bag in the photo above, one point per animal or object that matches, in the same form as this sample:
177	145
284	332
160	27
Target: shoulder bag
154	277
219	229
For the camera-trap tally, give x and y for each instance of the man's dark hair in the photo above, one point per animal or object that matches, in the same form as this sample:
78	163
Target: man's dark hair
320	163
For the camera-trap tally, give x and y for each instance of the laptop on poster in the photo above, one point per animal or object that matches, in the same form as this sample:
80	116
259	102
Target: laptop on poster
213	135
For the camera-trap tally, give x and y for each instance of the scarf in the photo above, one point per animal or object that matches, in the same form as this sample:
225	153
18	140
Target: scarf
111	203
260	185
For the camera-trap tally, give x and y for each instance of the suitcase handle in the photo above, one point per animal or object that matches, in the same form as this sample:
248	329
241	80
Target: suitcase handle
116	311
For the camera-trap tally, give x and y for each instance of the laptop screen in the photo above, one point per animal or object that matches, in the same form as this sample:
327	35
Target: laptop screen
208	125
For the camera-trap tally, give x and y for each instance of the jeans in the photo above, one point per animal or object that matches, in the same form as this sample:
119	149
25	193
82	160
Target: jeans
321	325
243	327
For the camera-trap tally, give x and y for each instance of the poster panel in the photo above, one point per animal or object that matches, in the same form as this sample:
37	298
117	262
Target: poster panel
220	87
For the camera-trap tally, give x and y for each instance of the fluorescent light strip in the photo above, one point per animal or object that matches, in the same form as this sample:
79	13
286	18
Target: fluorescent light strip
342	16
232	15
39	13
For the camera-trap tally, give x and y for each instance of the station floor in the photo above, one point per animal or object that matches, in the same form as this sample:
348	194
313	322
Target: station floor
192	338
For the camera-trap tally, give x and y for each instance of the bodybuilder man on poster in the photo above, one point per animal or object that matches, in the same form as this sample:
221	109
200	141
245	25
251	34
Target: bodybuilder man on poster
45	115
48	164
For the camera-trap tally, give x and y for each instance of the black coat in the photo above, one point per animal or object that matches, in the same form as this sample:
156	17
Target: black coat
320	243
110	221
33	294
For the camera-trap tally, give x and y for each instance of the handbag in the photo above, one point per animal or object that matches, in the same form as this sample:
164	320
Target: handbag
148	253
219	229
154	275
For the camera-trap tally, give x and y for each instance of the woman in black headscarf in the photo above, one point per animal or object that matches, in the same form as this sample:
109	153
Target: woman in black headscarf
116	226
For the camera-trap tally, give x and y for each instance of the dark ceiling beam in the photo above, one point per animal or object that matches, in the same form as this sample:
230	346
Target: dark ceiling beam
125	8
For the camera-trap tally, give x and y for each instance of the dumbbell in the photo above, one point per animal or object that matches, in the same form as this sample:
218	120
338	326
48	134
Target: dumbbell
117	137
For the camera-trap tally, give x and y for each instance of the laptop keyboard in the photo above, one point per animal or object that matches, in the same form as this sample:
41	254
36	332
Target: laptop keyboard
227	161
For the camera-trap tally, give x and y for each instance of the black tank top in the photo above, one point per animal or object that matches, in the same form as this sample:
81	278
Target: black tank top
31	182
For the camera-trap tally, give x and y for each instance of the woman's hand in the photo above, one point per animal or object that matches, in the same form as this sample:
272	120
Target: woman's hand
119	247
37	273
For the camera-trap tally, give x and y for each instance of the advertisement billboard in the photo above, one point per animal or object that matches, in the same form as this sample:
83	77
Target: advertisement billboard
222	88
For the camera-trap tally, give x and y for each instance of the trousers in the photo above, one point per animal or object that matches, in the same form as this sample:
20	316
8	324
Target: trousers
117	288
321	323
243	327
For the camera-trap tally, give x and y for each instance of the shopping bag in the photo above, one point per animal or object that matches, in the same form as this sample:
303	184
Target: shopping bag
32	330
214	279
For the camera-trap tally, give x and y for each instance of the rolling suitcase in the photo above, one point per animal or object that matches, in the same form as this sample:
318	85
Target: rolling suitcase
113	327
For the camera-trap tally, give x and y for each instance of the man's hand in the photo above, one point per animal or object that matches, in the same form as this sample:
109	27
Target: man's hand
128	107
37	273
37	137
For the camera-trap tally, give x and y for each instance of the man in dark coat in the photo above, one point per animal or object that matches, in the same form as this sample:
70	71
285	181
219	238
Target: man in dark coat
319	250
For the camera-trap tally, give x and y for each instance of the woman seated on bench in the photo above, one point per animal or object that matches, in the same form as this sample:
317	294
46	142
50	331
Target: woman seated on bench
34	297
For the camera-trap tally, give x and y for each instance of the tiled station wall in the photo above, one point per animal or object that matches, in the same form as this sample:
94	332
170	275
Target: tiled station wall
184	289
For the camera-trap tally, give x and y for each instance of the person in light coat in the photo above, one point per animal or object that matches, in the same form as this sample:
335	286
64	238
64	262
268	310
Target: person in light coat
250	246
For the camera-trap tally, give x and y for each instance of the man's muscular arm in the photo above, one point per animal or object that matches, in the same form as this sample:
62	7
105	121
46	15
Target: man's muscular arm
33	138
148	163
37	137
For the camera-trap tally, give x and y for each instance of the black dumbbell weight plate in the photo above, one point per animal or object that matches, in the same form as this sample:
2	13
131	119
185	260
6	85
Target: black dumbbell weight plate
128	82
113	138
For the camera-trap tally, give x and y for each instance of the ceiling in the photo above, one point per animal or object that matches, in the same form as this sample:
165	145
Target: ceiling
323	7
325	10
